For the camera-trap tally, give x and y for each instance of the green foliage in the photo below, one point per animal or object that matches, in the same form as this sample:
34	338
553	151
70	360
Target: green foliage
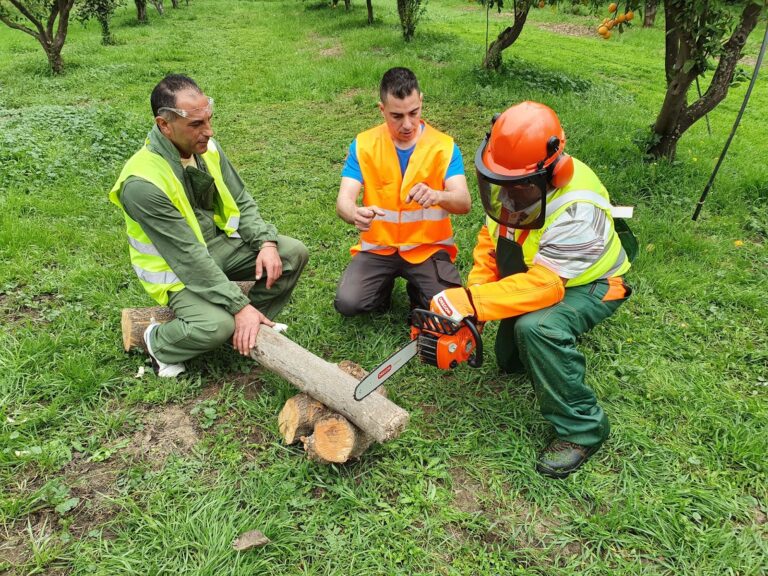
681	369
101	11
410	12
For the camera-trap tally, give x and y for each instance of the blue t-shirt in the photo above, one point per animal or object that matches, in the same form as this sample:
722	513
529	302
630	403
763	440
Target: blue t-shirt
352	166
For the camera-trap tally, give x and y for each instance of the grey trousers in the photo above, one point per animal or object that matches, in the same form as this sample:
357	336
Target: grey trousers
201	326
367	283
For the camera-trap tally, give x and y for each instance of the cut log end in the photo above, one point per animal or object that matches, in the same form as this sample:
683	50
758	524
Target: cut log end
298	417
335	440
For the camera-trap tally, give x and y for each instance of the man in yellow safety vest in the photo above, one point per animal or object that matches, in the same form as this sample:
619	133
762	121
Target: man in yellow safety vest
549	264
193	228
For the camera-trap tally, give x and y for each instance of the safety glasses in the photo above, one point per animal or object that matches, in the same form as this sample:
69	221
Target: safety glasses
206	110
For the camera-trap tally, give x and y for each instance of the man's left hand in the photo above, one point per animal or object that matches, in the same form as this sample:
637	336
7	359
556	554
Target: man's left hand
453	303
268	260
424	195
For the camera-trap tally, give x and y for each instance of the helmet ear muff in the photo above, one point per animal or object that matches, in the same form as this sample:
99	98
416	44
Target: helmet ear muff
561	171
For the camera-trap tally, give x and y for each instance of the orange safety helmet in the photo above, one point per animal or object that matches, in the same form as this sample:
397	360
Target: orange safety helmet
523	156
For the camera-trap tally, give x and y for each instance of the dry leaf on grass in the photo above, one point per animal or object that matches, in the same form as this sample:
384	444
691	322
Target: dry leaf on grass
250	539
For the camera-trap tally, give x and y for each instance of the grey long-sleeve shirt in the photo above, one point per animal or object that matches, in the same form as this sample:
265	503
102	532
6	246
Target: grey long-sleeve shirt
175	240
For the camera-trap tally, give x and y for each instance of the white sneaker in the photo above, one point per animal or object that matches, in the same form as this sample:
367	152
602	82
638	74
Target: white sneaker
162	369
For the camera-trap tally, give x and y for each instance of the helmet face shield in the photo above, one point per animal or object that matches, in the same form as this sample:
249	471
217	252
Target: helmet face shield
512	201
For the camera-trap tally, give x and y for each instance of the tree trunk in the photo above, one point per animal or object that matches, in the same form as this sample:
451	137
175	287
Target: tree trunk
330	385
325	382
175	3
54	56
141	11
159	5
106	33
651	6
369	5
676	116
507	37
347	4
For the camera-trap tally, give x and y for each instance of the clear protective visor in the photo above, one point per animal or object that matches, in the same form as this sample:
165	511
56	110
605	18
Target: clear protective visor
205	111
513	201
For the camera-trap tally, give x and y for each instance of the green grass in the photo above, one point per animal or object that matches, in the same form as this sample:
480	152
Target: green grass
106	473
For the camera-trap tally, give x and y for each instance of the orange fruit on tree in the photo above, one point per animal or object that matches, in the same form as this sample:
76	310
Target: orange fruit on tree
607	34
612	8
602	30
611	24
620	18
542	3
629	15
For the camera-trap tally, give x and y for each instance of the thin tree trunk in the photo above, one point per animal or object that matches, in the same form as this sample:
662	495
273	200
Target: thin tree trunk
141	11
507	37
369	5
676	116
175	3
651	6
159	5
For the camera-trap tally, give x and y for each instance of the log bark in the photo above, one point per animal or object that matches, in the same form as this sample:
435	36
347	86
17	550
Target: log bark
323	381
135	320
327	383
335	440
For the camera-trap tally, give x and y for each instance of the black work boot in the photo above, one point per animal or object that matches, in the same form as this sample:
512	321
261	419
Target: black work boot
561	458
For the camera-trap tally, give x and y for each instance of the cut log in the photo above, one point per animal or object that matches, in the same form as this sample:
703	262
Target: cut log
375	415
325	382
135	320
335	440
298	417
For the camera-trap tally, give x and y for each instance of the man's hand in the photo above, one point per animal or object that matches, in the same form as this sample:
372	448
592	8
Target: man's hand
453	303
247	324
268	260
364	215
424	195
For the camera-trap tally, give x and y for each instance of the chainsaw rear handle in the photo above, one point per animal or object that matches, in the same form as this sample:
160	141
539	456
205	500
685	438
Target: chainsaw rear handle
445	343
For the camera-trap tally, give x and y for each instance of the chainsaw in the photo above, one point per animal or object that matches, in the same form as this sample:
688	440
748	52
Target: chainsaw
437	340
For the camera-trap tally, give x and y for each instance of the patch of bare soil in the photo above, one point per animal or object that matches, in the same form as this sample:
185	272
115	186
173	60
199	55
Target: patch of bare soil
465	489
17	540
168	430
567	29
331	52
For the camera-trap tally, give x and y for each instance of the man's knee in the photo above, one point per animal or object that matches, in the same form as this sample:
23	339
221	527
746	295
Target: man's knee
348	304
294	252
216	330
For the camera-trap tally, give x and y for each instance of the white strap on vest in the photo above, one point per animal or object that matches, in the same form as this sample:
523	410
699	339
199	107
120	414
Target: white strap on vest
592	197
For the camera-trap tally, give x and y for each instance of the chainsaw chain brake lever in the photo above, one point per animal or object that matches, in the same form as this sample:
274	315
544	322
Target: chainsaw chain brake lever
428	321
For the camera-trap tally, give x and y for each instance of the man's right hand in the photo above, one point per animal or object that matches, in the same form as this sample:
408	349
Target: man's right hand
364	215
247	324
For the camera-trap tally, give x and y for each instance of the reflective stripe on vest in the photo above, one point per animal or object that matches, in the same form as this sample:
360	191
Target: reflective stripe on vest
585	186
154	272
417	233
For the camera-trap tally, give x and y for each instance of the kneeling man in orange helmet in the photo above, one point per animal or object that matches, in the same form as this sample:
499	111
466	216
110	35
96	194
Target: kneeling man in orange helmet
548	263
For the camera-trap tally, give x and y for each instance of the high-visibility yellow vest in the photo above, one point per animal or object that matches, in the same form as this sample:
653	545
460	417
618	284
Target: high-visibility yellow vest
585	186
154	272
415	232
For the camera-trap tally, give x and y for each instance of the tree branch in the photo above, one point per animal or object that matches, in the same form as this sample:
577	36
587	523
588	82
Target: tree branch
729	58
29	16
15	26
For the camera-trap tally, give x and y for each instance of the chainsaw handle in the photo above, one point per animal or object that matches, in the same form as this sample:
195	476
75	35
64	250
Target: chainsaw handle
476	360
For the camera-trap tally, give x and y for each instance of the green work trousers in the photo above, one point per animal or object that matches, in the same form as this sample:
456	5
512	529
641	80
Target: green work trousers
543	344
201	326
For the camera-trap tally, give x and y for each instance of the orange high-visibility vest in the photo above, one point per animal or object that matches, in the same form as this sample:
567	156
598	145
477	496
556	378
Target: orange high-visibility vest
415	232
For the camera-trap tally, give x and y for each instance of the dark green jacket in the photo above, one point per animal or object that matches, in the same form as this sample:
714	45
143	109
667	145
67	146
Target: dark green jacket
175	240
